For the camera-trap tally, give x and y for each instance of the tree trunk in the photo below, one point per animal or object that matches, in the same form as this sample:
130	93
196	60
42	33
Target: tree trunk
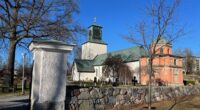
149	85
11	60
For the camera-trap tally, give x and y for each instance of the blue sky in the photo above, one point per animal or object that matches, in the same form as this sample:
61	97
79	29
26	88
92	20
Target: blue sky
117	15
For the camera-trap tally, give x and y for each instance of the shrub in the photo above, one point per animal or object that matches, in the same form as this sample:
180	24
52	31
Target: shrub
187	82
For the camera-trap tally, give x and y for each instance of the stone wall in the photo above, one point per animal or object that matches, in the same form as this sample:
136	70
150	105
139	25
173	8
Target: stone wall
102	98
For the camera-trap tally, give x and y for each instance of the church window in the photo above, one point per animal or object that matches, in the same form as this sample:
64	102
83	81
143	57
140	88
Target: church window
161	50
90	33
174	61
168	51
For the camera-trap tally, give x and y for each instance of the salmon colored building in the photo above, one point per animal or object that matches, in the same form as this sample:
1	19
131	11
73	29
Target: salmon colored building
168	68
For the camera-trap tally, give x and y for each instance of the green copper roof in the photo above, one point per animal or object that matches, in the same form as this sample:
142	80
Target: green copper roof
162	40
84	65
127	55
95	25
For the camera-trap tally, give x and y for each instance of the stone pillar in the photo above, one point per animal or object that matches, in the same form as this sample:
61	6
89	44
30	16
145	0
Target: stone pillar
49	74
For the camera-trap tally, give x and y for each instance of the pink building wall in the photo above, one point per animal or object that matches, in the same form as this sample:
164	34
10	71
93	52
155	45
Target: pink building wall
167	68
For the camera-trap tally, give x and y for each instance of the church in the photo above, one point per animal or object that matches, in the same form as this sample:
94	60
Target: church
94	54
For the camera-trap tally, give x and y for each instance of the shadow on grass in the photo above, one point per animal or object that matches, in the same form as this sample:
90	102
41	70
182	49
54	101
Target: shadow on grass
181	100
23	100
195	106
24	107
146	108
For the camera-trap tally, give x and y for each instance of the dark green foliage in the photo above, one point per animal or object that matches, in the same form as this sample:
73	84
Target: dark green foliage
189	82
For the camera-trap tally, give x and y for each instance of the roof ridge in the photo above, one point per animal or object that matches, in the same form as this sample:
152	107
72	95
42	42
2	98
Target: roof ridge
126	49
118	51
84	59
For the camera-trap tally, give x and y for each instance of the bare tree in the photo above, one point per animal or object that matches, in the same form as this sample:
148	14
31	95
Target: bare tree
189	61
161	23
125	74
179	52
116	68
23	20
112	65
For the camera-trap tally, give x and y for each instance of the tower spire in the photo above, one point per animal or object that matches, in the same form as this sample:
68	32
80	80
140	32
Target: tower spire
95	20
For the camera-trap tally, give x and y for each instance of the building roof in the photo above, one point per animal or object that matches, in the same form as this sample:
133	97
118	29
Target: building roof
163	40
96	41
95	25
127	55
84	65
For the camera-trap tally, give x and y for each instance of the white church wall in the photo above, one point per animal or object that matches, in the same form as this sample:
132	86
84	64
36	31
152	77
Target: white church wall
91	50
87	76
75	73
84	76
99	72
134	67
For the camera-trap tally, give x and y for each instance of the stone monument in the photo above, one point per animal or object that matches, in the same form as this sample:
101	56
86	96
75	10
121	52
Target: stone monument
49	74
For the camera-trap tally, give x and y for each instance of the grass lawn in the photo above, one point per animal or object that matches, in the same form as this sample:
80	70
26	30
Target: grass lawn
18	92
184	103
191	77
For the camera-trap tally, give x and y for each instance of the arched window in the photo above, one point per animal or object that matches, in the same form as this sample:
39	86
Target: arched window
168	51
175	62
161	50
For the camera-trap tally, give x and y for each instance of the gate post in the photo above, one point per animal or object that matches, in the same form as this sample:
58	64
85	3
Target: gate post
49	74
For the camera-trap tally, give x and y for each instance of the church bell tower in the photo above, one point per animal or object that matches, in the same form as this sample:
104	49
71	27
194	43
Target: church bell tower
94	44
